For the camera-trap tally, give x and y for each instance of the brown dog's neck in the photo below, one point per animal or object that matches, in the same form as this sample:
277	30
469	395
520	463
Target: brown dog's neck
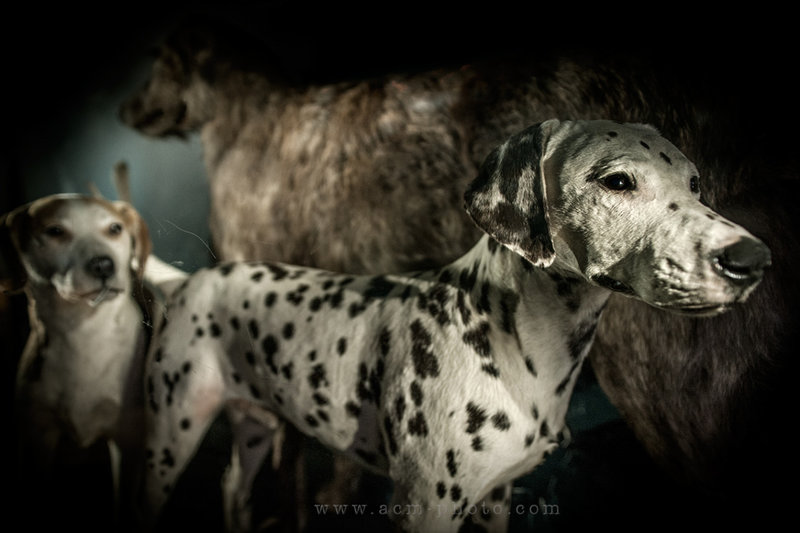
62	317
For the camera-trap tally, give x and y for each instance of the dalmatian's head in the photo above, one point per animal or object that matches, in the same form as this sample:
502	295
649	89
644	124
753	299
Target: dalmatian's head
619	205
85	248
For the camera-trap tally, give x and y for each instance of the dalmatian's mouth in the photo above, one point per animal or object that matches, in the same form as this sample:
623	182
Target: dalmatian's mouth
686	309
613	284
697	310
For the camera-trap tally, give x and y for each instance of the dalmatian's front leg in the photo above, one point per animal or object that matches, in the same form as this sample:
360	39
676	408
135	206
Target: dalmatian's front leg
184	396
445	509
493	512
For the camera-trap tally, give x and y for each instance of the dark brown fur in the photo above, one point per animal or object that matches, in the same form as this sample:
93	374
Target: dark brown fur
349	177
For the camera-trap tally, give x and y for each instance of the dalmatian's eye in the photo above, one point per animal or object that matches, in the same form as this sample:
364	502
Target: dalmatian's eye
115	228
618	182
694	184
54	231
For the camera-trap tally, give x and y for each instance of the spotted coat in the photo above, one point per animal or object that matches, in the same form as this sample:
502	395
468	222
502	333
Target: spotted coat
456	380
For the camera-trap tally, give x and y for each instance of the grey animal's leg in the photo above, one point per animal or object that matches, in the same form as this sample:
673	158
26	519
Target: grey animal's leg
255	432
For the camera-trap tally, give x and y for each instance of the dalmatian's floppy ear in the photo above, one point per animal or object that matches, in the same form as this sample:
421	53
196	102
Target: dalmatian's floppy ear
142	245
12	271
508	199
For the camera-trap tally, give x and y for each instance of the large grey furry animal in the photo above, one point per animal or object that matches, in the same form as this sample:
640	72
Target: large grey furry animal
364	176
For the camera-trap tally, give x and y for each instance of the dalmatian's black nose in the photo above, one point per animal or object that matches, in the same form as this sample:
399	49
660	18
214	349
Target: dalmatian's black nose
100	267
743	262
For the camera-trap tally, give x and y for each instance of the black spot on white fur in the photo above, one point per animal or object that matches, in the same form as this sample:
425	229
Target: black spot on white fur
278	272
252	328
463	309
491	369
562	386
425	362
269	299
478	339
341	346
352	409
530	367
318	377
500	421
476	417
378	288
416	393
452	466
435	303
384	341
400	408
498	494
417	426
581	338
270	347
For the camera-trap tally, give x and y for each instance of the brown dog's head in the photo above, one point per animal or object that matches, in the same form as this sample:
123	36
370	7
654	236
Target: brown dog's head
86	248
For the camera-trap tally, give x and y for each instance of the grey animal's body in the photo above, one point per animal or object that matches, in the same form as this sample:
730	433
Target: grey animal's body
365	177
455	380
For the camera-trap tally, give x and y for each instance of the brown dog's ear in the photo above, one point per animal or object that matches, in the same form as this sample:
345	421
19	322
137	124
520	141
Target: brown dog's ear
508	199
12	271
142	245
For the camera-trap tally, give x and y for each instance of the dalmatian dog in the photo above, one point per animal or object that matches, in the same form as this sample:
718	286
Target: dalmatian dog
452	381
81	261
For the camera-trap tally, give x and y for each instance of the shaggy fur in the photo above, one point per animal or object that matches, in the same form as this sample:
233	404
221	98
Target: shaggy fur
364	177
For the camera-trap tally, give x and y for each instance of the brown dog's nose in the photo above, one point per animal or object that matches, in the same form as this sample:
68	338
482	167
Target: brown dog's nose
743	262
100	267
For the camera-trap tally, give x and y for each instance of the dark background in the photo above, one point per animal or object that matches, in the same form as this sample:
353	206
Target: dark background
65	72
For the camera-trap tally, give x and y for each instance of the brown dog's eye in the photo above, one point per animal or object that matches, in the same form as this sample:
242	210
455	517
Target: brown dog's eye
618	182
54	231
115	228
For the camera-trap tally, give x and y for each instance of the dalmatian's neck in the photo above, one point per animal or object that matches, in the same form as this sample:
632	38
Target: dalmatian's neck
541	326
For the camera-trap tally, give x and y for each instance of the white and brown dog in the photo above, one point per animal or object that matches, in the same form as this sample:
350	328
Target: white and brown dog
81	261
